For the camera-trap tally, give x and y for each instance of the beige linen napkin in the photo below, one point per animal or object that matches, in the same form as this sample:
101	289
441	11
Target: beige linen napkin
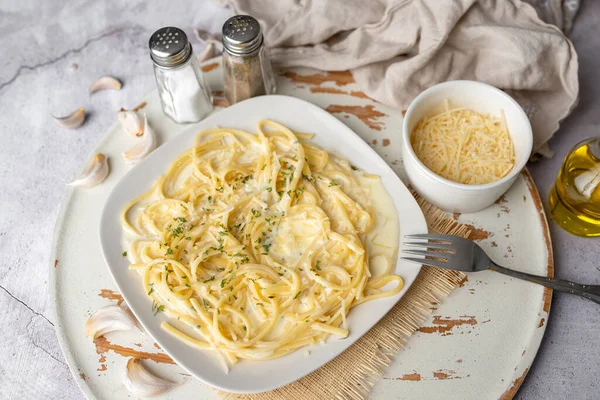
397	49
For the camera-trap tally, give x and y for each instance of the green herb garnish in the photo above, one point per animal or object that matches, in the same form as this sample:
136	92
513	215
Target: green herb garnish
158	309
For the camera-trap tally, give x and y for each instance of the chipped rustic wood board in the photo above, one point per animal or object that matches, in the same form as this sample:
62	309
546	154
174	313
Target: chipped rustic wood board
478	344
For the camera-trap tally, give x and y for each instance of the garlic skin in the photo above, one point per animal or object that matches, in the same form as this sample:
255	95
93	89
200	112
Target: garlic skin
142	383
131	123
109	319
146	145
105	82
71	121
96	173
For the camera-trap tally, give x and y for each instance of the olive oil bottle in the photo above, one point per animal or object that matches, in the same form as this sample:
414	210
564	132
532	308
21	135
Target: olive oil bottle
575	198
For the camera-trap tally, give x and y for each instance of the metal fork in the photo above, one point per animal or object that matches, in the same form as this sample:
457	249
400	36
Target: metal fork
459	254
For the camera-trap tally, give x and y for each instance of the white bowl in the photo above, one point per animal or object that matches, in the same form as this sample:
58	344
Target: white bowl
458	197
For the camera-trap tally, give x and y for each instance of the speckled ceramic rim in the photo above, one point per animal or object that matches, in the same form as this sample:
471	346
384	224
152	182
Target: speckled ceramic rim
53	282
515	171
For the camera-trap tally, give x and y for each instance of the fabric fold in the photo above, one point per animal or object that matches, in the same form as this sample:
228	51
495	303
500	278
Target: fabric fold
397	49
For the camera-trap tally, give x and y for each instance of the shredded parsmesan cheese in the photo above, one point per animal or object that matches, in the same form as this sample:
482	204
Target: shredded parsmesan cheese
464	146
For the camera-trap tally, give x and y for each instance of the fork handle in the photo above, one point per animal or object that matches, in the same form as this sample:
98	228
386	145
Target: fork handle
590	292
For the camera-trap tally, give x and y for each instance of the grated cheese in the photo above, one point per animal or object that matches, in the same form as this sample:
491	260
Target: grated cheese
464	146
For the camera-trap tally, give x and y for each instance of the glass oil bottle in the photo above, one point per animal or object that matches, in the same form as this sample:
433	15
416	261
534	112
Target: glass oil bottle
575	198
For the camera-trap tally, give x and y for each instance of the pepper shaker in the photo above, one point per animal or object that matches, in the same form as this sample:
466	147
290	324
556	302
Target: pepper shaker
246	67
184	94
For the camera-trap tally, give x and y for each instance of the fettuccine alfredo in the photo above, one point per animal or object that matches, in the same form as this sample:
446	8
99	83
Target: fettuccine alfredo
257	245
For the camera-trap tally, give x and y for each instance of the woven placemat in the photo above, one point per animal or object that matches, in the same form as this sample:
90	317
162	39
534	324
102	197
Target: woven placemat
343	377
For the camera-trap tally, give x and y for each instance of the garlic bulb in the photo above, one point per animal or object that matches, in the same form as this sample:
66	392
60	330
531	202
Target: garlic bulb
146	145
142	383
109	319
131	123
96	173
105	82
71	121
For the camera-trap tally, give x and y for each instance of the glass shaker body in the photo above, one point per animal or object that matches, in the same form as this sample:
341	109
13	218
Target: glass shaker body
575	198
183	92
247	76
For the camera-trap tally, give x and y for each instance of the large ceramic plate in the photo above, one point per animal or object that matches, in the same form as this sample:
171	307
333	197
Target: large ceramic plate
478	344
332	135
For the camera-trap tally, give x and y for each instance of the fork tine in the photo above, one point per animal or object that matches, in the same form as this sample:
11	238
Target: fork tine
438	254
431	263
429	244
446	238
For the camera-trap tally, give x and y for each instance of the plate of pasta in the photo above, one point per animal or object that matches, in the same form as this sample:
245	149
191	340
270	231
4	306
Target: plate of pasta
260	243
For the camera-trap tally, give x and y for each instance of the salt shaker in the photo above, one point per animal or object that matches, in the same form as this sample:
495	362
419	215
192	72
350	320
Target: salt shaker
246	67
184	94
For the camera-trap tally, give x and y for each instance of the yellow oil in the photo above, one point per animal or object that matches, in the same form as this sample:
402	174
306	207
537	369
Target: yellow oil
575	198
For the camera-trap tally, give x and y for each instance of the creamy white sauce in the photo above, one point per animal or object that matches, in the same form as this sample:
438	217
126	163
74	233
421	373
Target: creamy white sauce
384	238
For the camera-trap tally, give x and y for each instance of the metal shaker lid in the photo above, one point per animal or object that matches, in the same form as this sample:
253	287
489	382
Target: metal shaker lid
242	35
169	47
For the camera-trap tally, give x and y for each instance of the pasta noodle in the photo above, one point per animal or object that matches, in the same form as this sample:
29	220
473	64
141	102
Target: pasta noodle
257	245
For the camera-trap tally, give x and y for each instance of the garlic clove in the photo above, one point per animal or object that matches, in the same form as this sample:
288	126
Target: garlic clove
71	121
209	52
131	123
96	173
109	319
142	383
105	82
146	145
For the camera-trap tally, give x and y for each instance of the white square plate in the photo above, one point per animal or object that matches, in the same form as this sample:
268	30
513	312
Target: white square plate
330	134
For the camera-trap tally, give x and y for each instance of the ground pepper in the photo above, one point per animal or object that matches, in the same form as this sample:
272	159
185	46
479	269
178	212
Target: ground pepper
246	67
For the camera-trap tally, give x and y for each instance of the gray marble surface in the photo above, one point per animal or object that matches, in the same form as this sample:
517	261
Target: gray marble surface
53	50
